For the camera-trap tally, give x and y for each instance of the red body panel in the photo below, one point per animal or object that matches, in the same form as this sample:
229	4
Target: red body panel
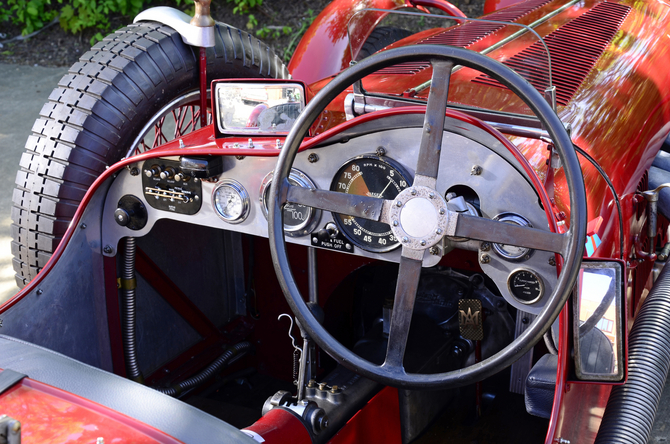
48	414
377	422
324	49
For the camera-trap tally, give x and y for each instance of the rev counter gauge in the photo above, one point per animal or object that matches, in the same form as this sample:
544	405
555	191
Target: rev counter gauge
525	285
231	201
299	220
372	176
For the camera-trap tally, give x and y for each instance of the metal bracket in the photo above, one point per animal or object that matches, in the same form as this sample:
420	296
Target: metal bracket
10	430
180	22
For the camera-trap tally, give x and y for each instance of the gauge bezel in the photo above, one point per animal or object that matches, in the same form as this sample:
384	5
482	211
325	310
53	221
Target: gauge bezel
304	181
522	222
537	276
241	192
404	174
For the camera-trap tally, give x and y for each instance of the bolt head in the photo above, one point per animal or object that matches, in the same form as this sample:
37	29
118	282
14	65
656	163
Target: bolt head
485	259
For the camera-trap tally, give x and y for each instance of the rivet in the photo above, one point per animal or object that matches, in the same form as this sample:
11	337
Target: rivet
39	292
412	192
82	226
438	231
431	195
395	223
405	239
313	158
423	242
315	240
348	246
441	211
398	204
108	249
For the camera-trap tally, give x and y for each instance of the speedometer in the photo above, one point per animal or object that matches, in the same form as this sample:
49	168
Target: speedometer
369	176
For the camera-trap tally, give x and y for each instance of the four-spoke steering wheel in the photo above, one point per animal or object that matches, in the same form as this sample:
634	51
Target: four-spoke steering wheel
419	217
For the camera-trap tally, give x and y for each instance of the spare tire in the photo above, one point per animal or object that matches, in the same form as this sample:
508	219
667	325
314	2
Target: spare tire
112	102
380	38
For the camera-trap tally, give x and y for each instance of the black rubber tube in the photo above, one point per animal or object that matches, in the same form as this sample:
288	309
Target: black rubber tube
230	355
629	415
128	286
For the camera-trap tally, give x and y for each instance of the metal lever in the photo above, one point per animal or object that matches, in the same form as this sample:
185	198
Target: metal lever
652	214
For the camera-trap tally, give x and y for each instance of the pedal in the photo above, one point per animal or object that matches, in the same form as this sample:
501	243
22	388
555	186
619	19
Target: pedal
470	321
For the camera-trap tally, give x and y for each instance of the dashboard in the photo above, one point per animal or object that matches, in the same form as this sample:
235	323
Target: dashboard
477	175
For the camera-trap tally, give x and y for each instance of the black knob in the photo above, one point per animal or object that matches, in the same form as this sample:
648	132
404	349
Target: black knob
168	173
122	216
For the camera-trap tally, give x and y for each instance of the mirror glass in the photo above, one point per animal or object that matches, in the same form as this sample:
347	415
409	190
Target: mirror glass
597	322
258	108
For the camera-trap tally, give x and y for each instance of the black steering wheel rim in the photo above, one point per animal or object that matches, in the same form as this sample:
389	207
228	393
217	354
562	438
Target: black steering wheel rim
572	250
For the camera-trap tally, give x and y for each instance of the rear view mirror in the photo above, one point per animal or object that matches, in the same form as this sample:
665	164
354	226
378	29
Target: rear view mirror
598	322
257	108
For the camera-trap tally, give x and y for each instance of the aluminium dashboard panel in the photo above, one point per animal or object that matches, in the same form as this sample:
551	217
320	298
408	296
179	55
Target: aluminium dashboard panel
500	188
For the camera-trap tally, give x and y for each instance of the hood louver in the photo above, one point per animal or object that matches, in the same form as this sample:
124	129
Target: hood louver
469	33
574	47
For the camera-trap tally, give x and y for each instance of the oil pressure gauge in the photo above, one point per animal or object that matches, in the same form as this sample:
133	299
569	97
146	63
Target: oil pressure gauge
231	201
525	285
512	252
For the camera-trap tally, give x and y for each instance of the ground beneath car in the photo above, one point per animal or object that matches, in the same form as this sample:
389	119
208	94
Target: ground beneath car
52	46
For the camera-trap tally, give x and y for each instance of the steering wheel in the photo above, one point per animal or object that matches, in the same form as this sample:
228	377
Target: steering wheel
419	217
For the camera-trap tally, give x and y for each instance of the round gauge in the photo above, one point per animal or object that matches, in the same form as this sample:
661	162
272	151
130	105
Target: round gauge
512	252
369	176
299	220
526	286
231	201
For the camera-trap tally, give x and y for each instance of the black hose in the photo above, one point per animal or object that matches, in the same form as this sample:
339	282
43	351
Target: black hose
230	355
629	415
128	286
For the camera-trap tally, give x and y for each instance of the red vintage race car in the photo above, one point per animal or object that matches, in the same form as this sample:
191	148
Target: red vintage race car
464	218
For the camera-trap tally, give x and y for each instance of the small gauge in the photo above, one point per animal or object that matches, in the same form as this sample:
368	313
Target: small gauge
526	286
231	201
299	220
372	176
512	252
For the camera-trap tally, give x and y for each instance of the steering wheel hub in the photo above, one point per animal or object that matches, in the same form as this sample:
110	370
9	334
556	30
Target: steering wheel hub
419	217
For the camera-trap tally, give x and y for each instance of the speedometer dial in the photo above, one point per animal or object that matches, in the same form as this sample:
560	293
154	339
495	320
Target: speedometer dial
369	176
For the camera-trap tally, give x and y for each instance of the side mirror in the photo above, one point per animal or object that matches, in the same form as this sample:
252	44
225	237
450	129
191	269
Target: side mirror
598	322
